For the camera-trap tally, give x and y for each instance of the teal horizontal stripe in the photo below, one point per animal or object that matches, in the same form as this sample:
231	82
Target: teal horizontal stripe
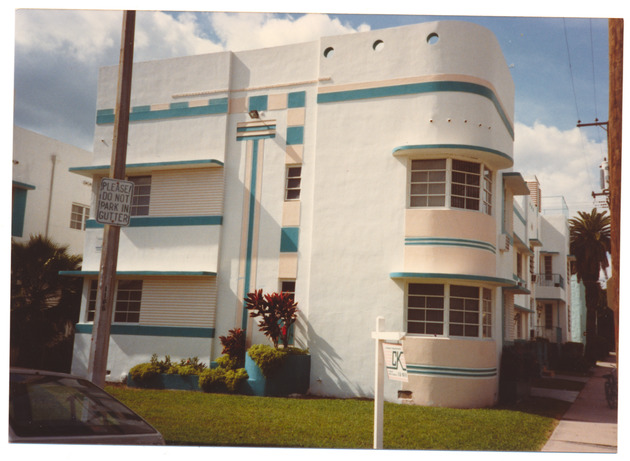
164	221
454	146
150	165
430	275
149	330
249	137
451	371
250	129
142	273
177	109
418	88
450	242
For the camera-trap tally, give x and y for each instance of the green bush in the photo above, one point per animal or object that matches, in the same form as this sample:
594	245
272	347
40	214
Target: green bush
225	378
143	373
270	359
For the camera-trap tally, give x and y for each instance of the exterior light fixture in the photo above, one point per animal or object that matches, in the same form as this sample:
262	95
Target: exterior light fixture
254	114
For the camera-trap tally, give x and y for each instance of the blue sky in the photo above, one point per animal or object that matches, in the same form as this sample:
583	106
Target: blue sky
559	67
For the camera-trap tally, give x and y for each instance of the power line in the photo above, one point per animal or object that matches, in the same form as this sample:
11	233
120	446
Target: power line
566	41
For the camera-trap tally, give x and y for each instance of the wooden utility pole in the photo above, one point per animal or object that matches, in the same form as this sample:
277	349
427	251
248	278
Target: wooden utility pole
615	55
97	367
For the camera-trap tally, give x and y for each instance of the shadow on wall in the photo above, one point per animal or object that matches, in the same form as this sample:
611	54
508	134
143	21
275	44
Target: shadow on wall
327	376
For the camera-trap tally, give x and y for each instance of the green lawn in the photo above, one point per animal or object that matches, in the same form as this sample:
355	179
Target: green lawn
196	418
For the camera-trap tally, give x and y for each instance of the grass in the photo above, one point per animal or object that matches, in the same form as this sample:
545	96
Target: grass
196	418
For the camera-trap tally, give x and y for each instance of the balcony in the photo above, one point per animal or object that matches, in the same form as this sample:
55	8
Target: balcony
550	280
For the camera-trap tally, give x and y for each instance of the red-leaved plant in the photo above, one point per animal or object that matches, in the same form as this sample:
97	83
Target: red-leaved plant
234	345
278	311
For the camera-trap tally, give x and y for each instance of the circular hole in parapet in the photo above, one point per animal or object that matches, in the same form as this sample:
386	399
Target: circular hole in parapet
329	52
432	38
378	45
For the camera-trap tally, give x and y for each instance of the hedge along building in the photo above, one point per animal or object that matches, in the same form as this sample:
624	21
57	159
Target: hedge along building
367	173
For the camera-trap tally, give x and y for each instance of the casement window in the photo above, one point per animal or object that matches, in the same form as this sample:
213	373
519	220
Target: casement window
288	286
450	183
548	316
91	307
293	182
128	298
141	195
449	310
78	216
127	303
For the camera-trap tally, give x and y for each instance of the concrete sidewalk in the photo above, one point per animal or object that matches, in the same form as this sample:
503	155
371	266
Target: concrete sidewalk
589	425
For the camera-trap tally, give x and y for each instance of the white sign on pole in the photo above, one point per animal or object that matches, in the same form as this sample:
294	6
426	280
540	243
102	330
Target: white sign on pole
114	202
395	362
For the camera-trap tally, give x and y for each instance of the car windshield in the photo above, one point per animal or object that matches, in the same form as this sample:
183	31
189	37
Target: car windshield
43	405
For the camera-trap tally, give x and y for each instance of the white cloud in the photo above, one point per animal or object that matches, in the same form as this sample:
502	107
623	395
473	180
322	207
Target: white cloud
243	31
76	34
160	35
565	162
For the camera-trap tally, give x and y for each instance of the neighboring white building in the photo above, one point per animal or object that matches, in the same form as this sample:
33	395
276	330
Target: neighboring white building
368	173
47	198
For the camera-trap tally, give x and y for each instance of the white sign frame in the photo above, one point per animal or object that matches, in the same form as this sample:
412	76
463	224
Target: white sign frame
114	202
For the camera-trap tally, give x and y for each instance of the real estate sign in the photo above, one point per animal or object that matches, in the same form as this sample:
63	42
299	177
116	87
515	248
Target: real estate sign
114	202
395	362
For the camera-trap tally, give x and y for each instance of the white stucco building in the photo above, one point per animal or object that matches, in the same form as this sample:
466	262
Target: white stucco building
47	198
369	173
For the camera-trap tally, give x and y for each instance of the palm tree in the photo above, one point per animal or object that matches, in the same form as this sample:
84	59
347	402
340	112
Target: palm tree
44	304
590	244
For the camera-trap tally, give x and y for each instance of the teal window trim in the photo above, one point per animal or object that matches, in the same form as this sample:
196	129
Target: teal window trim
289	239
295	135
151	330
18	212
164	221
104	169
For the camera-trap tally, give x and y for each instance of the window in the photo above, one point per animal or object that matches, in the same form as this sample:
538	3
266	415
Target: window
519	264
486	313
465	185
288	286
428	183
425	313
127	305
458	183
78	216
548	267
293	183
451	310
128	297
548	316
141	195
91	308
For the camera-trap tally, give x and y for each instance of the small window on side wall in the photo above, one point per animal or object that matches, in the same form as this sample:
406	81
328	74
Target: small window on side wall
293	182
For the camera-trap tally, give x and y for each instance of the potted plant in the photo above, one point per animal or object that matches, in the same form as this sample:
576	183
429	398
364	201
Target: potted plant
276	370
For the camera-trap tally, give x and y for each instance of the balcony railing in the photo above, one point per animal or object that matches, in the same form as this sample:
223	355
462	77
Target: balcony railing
550	280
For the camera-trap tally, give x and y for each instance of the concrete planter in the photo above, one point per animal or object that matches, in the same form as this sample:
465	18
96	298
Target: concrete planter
167	381
292	378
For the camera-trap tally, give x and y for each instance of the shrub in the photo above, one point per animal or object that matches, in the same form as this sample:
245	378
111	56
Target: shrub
225	378
269	359
143	373
234	345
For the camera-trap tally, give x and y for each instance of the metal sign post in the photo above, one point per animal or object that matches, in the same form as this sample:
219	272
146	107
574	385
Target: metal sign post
380	336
